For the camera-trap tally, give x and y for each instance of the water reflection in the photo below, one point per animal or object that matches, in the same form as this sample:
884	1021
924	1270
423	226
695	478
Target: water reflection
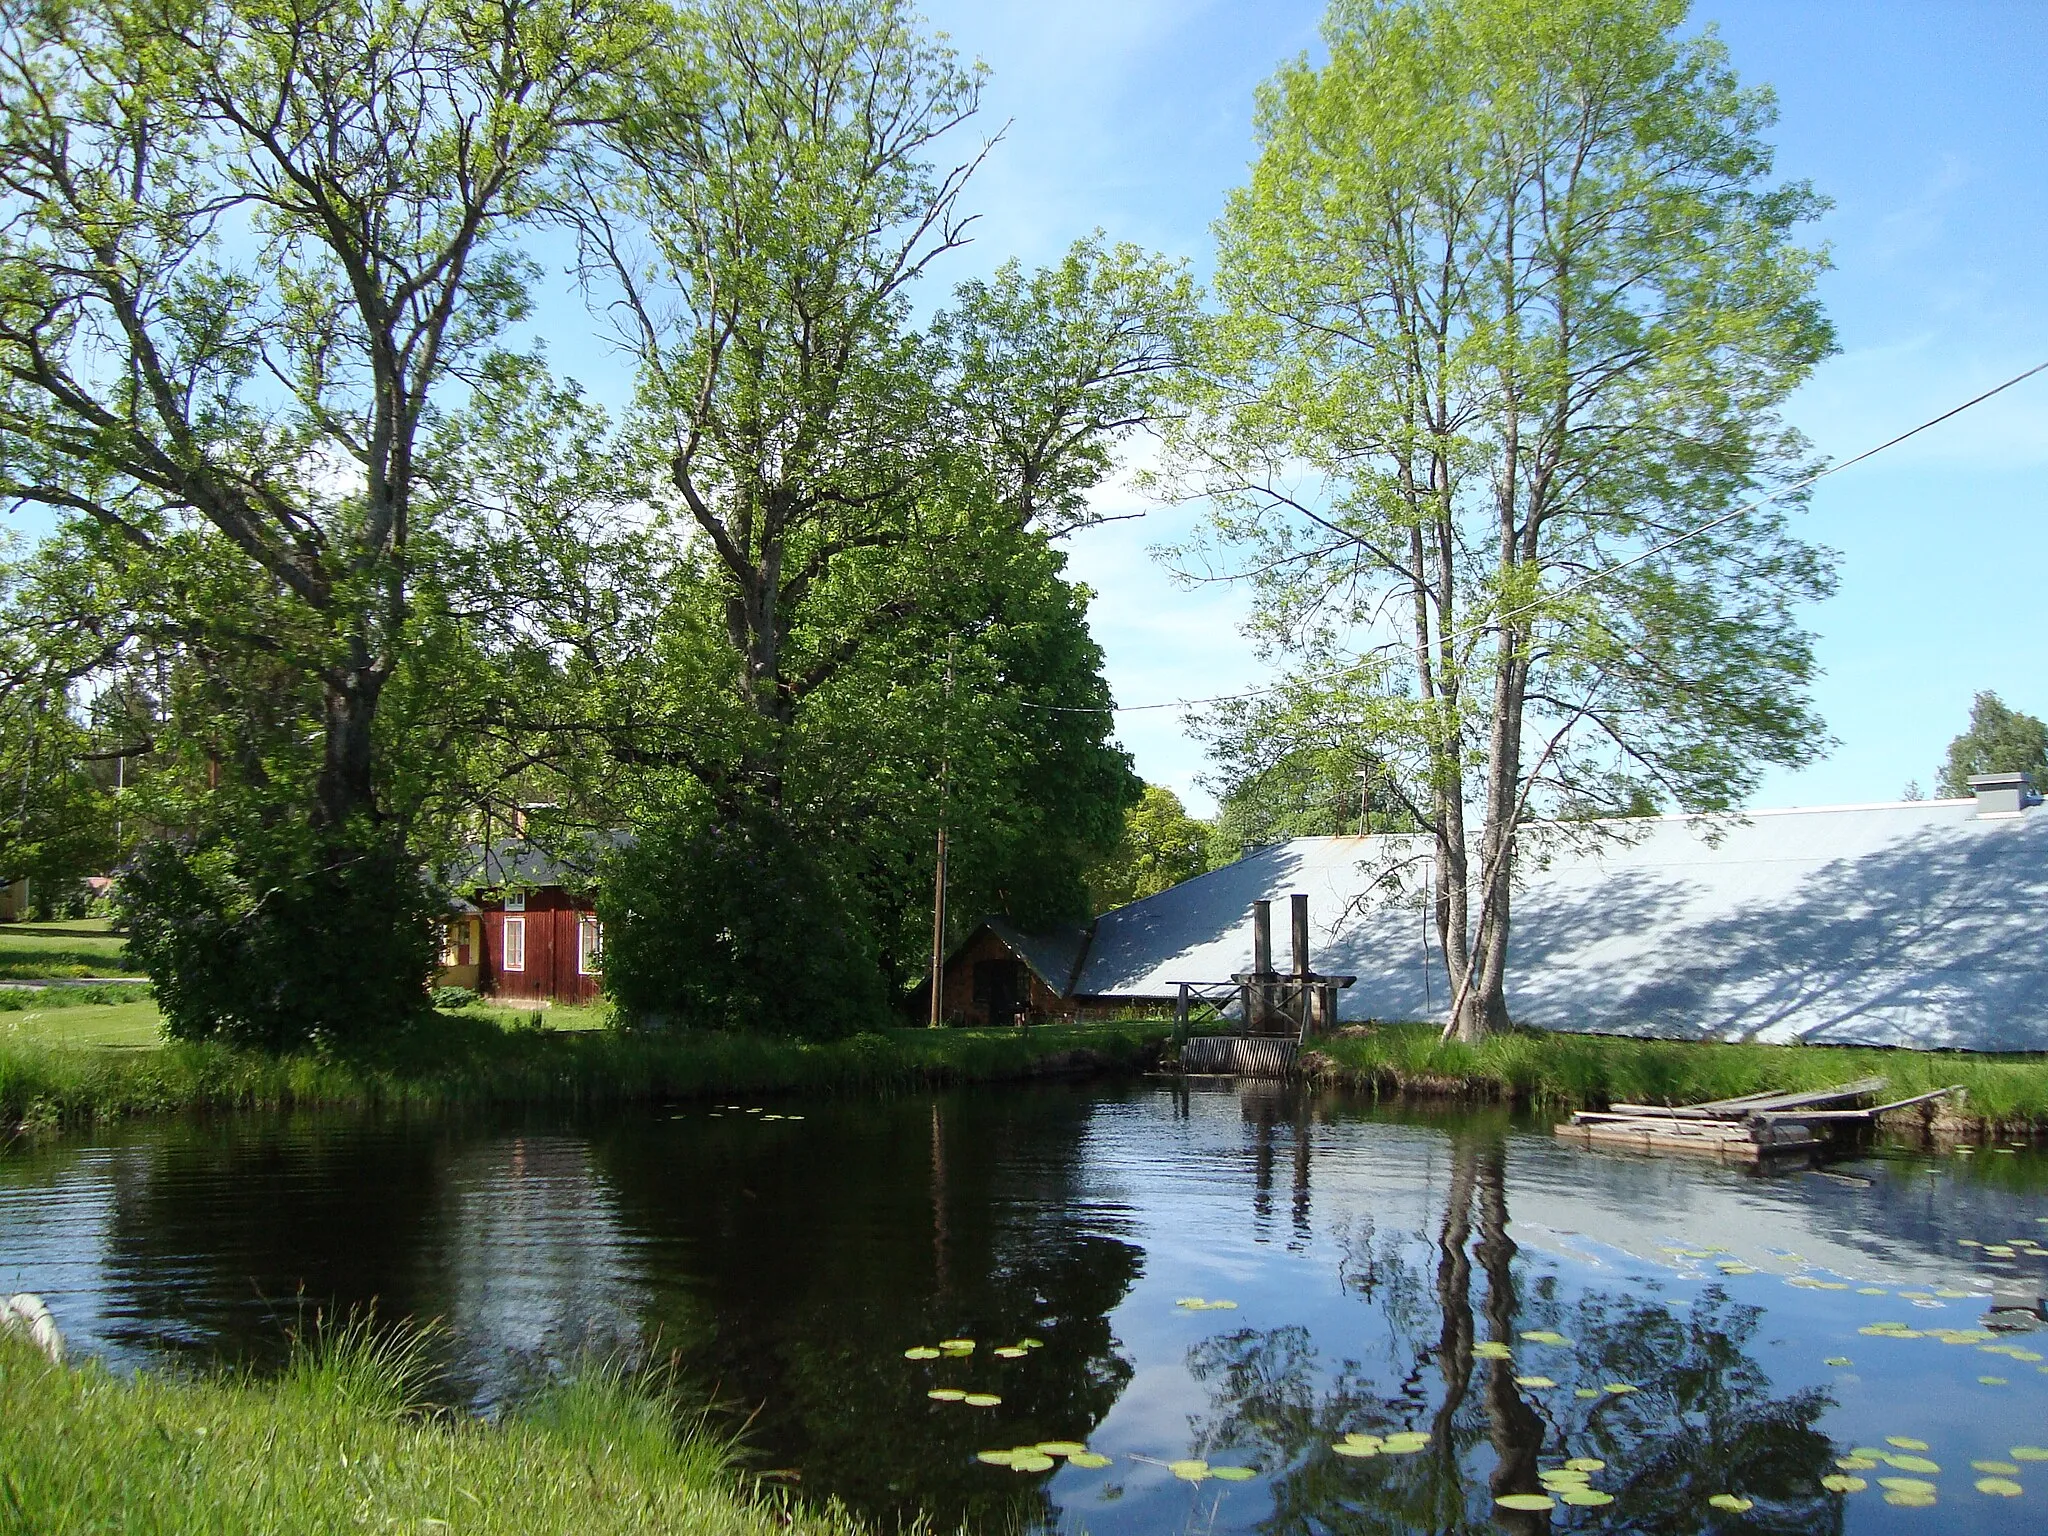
1386	1271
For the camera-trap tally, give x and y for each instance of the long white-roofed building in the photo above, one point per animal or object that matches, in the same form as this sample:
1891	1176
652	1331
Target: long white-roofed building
1920	923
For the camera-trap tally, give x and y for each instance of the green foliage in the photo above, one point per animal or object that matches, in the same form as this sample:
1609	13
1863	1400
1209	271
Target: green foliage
717	921
274	933
1999	740
1161	846
339	1433
1510	301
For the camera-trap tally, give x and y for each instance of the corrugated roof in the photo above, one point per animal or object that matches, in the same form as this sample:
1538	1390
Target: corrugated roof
1914	924
1053	956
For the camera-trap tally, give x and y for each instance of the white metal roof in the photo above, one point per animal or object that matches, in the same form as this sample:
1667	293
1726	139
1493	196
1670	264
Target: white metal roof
1917	924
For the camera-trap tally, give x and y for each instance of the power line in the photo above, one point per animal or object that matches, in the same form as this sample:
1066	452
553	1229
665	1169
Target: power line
1581	584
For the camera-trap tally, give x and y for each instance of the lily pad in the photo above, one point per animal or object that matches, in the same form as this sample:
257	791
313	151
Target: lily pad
1488	1349
1838	1360
1871	1290
964	1346
2003	1487
1529	1501
1905	1442
1011	1353
1856	1463
1734	1503
1586	1392
946	1394
1537	1382
1061	1447
1587	1464
996	1458
1585	1498
1906	1484
1025	1462
921	1352
1089	1459
1842	1482
1996	1468
1992	1381
1568	1476
1355	1448
1910	1500
1233	1474
1189	1471
1914	1463
1544	1336
1618	1388
981	1399
2030	1453
1406	1443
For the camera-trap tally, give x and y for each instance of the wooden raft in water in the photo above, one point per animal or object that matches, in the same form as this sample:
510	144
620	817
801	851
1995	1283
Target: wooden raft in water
1748	1129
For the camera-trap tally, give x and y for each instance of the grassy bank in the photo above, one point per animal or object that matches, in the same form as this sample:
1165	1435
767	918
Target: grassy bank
335	1443
1559	1071
83	946
49	1078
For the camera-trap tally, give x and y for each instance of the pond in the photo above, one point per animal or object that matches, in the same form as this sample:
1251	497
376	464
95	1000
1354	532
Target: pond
1356	1318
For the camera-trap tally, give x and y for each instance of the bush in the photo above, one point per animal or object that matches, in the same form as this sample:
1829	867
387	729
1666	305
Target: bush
454	997
727	922
280	935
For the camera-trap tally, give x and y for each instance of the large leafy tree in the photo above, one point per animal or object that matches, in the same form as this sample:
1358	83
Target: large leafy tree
1511	305
1161	846
245	249
2000	740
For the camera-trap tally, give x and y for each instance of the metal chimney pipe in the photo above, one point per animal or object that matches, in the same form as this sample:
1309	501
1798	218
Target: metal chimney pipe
1299	902
1262	938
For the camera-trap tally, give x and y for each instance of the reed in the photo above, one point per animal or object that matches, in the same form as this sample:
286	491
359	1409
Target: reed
455	1059
340	1441
1566	1071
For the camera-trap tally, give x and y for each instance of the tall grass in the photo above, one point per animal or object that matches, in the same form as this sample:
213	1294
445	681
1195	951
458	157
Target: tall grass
1592	1071
339	1442
456	1060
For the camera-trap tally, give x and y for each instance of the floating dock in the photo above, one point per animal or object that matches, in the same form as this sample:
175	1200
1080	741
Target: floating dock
1751	1129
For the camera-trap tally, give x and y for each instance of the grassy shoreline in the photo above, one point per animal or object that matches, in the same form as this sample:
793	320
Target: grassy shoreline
337	1442
2005	1095
472	1060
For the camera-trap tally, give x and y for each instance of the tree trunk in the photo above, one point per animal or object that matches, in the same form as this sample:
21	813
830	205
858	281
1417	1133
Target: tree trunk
346	787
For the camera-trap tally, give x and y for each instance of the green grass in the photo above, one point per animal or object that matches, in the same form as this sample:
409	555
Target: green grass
58	1070
72	947
337	1443
1563	1071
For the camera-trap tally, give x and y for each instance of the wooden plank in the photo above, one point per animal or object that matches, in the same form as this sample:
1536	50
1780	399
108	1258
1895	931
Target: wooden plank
1859	1114
1729	1109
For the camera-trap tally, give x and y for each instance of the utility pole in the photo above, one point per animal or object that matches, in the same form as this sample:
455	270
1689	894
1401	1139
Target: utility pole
1364	820
939	872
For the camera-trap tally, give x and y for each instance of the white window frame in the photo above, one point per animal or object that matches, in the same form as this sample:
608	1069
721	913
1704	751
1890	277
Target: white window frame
589	947
515	901
515	952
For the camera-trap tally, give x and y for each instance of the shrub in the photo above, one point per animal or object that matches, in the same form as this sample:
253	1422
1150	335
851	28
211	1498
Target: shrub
725	921
282	934
454	997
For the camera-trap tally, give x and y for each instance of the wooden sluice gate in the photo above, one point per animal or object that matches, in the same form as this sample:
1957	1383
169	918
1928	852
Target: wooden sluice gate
1277	1010
1753	1128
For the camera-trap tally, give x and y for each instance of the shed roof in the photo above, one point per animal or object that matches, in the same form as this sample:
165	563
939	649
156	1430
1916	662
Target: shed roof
1054	956
1919	923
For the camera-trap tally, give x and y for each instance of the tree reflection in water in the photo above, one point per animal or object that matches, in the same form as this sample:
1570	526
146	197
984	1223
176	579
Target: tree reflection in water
1702	1418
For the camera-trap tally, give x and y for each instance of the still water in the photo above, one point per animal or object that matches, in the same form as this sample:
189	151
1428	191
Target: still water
1699	1331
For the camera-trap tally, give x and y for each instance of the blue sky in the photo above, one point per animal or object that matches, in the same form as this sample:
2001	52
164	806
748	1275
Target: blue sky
1925	120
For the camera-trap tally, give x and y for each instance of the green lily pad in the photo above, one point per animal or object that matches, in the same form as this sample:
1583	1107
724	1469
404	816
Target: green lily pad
1585	1498
1587	1464
1233	1474
1734	1503
1586	1392
1490	1350
1910	1500
1189	1471
1996	1468
1088	1459
1355	1448
1992	1381
946	1394
1905	1442
921	1352
2030	1453
1529	1501
2004	1487
964	1346
1871	1290
1061	1447
996	1458
1838	1361
1544	1336
1029	1463
1406	1443
1618	1388
1570	1476
981	1399
1914	1463
1856	1463
1842	1482
1011	1353
1537	1382
1906	1484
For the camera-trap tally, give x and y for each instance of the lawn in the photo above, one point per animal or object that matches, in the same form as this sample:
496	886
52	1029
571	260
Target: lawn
120	1026
84	946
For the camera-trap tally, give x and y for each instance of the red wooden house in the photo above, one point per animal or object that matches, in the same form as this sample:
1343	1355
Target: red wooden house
528	931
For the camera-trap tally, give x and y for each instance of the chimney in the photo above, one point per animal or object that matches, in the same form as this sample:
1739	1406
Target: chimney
1299	902
1262	938
2002	794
